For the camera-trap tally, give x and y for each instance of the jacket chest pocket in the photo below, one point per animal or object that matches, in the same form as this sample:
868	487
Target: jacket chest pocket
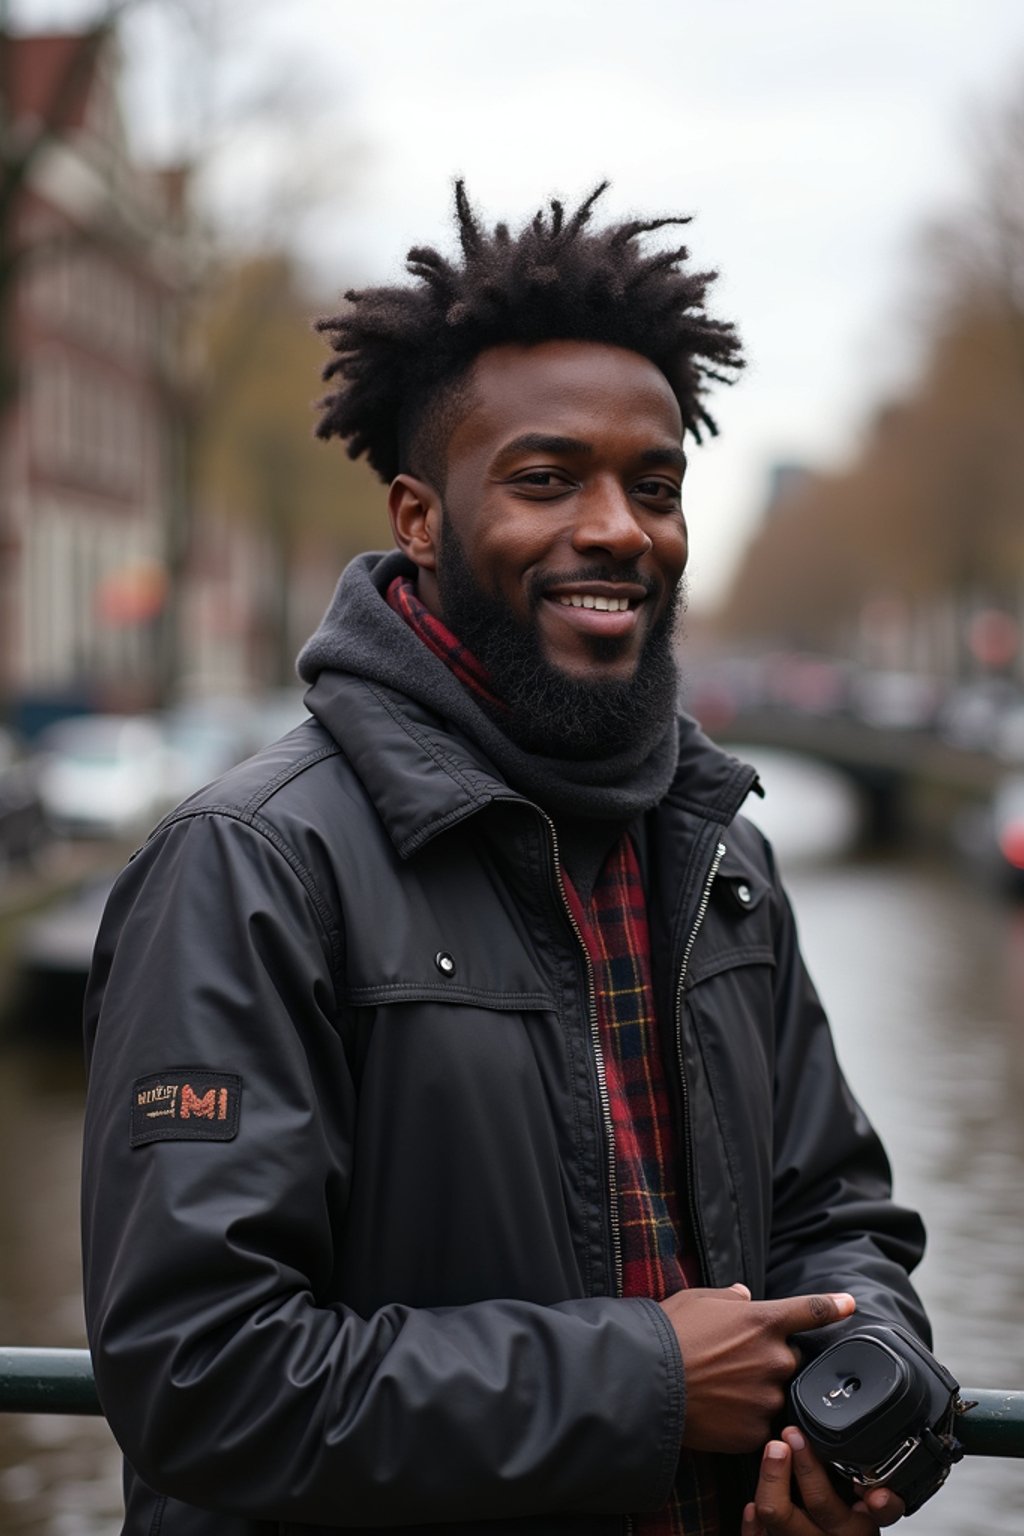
466	1122
446	1002
437	1060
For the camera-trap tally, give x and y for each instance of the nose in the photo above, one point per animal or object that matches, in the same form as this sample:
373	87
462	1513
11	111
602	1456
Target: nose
607	519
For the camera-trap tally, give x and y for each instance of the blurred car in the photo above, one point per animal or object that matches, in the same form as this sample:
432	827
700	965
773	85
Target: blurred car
105	775
896	701
204	738
974	714
24	830
807	684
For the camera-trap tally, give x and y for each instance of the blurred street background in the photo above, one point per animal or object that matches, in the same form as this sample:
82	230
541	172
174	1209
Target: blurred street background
186	184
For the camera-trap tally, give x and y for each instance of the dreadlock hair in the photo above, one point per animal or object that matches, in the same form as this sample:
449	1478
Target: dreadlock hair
404	353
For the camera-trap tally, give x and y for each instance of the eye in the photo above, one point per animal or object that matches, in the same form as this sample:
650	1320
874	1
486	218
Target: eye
665	493
542	484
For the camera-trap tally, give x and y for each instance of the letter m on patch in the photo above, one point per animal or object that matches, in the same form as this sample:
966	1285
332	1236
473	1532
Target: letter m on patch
192	1105
195	1106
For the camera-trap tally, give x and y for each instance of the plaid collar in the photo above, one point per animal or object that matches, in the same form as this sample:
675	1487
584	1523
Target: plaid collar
438	638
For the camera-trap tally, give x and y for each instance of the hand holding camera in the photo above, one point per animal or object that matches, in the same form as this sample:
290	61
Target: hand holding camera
876	1415
738	1360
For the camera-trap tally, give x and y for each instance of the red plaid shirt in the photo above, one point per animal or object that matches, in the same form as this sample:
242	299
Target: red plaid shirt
654	1260
614	929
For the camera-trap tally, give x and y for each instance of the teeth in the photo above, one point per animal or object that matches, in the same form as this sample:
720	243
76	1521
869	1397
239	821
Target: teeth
602	604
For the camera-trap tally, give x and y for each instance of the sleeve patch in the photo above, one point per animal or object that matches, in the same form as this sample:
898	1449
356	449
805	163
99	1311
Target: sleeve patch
185	1104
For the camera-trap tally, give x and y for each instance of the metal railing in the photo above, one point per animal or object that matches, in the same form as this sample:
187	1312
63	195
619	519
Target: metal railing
61	1381
47	1381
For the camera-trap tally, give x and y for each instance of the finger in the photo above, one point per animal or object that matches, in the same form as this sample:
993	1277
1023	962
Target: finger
742	1289
884	1506
773	1497
821	1501
798	1314
750	1524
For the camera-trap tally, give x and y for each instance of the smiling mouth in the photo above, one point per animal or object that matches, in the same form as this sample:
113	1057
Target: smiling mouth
602	604
597	610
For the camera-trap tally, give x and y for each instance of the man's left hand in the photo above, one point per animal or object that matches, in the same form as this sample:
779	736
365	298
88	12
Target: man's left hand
825	1513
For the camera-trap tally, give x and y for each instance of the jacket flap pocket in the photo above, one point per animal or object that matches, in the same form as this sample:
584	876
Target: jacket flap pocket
473	997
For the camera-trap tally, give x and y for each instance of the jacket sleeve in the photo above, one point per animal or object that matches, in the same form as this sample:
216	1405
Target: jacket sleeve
230	1375
835	1225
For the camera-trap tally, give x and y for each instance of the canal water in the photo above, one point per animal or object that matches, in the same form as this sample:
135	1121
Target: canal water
922	971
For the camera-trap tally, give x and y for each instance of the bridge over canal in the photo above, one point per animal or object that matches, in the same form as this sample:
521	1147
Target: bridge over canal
910	781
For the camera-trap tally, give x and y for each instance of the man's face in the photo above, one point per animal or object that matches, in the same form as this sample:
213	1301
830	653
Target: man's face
557	553
563	492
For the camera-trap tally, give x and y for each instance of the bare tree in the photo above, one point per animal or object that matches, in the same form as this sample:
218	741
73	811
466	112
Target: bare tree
930	510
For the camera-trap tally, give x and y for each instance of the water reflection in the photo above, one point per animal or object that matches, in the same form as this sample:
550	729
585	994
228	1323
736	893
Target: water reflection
924	979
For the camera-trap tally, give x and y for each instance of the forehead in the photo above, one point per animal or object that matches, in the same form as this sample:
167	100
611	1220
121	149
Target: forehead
605	395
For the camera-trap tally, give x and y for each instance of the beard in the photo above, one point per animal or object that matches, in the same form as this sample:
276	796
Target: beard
547	710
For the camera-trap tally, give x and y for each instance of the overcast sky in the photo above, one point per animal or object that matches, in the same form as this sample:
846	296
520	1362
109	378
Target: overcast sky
812	141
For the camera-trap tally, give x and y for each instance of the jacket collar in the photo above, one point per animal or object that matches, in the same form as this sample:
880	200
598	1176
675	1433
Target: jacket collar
709	782
423	778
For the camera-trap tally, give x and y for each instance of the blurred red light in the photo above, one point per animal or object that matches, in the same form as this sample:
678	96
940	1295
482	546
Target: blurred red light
1011	843
993	637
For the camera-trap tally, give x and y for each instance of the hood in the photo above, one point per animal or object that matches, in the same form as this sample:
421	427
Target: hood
362	637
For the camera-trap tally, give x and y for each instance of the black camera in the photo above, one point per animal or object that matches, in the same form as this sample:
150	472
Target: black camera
880	1409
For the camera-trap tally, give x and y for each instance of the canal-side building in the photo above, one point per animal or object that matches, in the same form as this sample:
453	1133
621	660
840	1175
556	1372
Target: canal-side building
89	434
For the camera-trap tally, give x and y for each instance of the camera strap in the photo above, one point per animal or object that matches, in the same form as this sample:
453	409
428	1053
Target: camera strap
920	1465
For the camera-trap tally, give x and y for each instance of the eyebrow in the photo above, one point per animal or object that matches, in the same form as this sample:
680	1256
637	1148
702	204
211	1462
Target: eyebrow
543	442
668	455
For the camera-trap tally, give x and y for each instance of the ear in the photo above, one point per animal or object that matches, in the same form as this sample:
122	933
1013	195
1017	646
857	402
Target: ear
414	508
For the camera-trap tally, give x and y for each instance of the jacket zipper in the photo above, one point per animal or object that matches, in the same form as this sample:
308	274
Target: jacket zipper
695	1223
602	1080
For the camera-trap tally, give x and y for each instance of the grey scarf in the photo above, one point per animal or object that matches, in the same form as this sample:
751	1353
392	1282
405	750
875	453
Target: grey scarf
362	635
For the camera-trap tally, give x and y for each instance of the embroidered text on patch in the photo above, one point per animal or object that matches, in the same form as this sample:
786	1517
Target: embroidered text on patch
185	1104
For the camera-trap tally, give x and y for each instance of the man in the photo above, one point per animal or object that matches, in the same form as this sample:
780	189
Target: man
465	1141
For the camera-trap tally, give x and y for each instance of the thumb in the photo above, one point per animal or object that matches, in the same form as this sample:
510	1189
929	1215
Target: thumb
805	1312
742	1289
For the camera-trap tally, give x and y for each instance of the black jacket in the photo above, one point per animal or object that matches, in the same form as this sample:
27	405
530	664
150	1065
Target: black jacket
370	1280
